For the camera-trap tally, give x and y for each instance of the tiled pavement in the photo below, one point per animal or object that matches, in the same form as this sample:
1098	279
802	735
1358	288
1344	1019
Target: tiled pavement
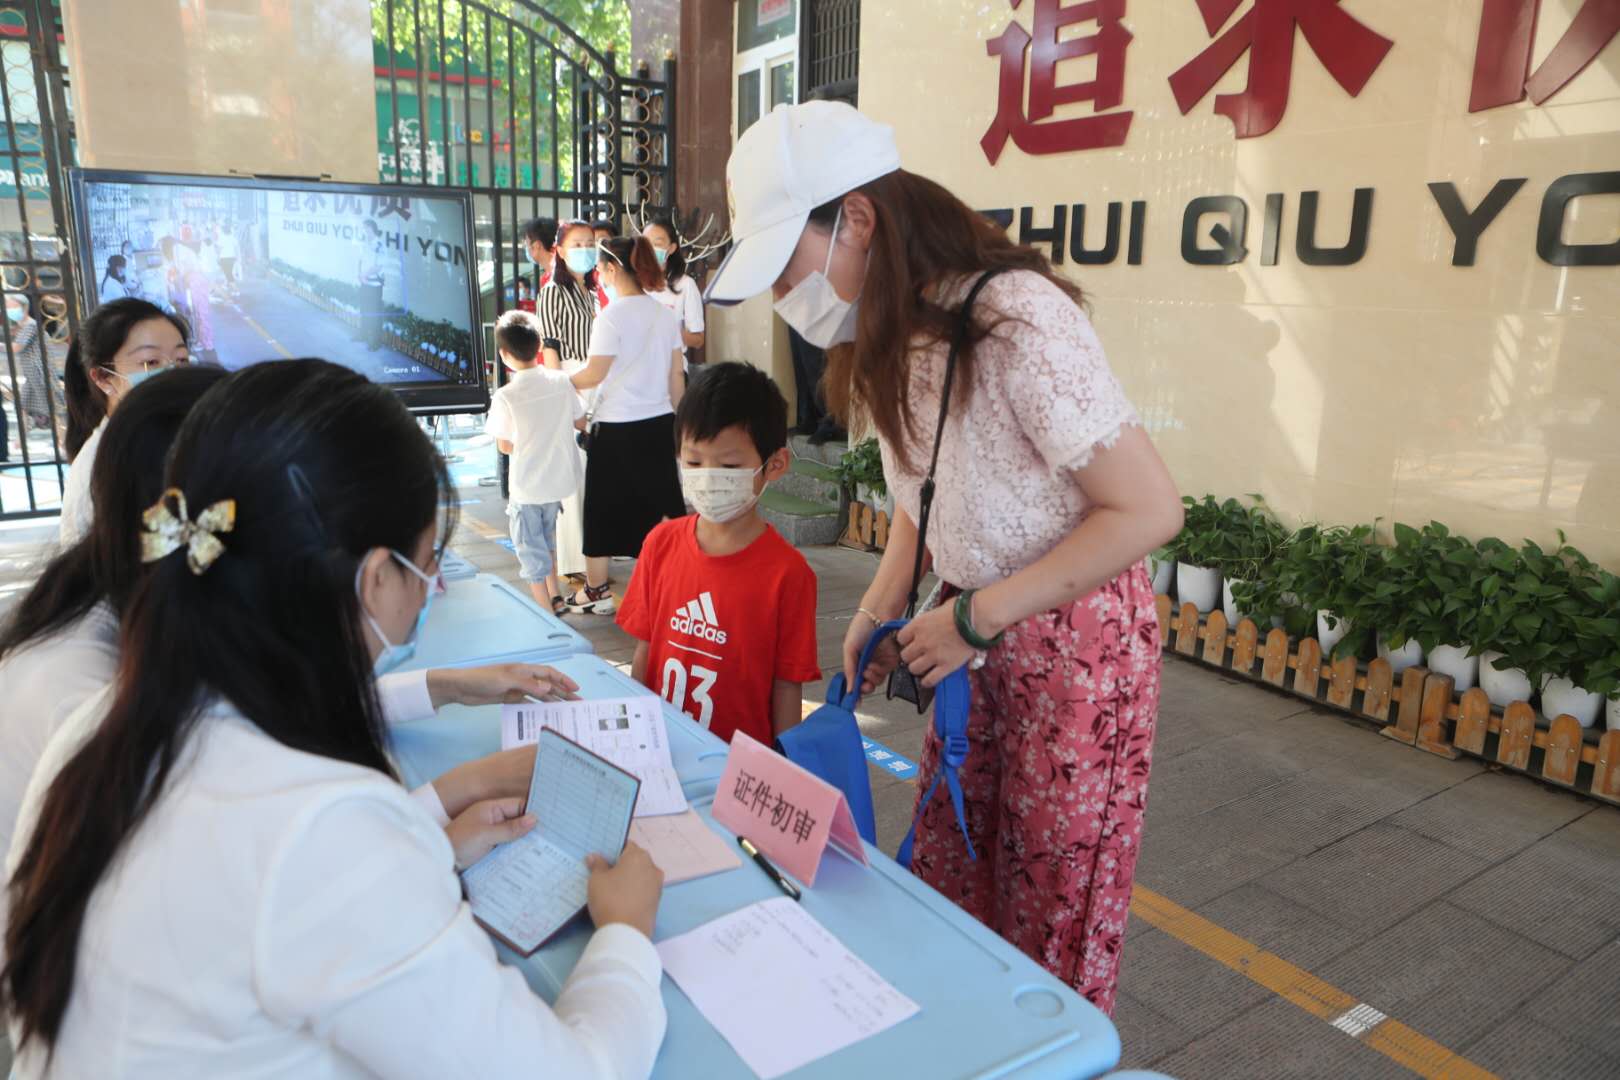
1481	909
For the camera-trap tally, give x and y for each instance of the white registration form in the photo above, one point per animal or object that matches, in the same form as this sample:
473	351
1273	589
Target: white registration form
525	891
779	987
628	731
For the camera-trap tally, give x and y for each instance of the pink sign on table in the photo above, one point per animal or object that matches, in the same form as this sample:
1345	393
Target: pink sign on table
789	814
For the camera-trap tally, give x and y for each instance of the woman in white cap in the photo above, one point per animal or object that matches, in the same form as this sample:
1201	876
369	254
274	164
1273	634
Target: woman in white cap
1044	493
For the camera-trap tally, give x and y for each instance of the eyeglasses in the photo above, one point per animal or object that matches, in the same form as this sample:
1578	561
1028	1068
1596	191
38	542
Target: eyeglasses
161	364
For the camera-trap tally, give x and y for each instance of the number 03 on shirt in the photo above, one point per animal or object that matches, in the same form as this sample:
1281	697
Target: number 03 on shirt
721	631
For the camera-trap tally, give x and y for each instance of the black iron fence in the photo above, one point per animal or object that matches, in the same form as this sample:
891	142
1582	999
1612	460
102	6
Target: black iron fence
502	98
35	282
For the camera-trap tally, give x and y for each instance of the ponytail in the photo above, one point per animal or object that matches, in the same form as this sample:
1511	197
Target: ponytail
637	254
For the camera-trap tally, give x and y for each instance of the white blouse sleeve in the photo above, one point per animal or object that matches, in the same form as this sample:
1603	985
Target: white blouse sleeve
1063	395
694	306
604	336
404	697
362	938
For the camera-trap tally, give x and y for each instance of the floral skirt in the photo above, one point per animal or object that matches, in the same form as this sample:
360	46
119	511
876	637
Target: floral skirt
1055	784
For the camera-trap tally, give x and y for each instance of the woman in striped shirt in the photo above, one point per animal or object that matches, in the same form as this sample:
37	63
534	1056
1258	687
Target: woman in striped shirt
566	310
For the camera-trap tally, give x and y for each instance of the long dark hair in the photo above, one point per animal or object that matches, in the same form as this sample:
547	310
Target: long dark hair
635	254
94	346
675	261
126	479
324	467
923	236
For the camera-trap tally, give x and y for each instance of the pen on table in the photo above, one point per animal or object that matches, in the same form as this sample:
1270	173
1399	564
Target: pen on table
770	871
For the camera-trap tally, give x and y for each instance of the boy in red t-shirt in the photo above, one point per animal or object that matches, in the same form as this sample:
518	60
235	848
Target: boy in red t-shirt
723	607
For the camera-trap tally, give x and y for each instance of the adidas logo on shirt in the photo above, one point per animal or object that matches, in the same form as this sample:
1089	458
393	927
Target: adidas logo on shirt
698	619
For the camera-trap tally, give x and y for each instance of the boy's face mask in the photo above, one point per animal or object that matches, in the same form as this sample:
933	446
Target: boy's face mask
720	495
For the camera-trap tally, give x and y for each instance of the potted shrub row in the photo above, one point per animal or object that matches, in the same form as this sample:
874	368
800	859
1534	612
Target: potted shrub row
1517	622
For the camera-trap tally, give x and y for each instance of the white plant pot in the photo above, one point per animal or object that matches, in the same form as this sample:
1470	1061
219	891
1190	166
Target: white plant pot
1228	605
1329	637
1407	656
1454	660
1613	719
1164	575
1561	697
1505	685
1199	586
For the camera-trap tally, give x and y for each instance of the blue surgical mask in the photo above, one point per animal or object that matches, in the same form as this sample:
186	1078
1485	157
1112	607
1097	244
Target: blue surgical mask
581	260
392	656
662	255
135	378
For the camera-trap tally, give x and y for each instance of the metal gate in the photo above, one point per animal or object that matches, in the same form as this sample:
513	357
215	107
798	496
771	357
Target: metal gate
499	97
36	147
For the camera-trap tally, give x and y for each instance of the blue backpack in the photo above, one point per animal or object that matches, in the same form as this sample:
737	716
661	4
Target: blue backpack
828	744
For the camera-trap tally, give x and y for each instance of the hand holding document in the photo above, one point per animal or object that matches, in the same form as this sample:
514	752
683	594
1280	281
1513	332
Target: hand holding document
779	987
629	732
525	891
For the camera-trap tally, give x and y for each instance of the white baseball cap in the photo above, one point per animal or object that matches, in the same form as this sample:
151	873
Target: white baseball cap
795	159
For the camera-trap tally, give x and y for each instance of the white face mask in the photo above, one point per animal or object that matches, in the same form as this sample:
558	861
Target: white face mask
720	495
814	308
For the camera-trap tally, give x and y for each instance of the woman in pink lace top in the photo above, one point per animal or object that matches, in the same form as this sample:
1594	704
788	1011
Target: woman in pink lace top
1048	496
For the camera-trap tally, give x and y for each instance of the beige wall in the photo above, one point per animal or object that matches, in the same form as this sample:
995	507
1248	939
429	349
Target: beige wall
169	85
1401	388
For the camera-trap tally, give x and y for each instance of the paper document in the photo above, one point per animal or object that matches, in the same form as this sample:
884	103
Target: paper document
683	847
525	891
629	732
779	988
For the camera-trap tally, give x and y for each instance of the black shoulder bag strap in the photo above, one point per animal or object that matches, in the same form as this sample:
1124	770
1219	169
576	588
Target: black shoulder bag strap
902	683
926	497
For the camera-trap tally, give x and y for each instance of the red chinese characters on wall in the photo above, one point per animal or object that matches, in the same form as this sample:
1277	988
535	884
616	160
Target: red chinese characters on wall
1033	130
1507	34
1349	50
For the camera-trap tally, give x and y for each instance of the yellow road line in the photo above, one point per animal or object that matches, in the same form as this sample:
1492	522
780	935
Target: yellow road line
274	344
1389	1037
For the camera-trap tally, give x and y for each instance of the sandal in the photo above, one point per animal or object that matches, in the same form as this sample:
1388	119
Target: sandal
589	601
559	606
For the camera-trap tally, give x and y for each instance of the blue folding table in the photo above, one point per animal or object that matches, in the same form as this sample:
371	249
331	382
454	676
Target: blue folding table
485	620
987	1010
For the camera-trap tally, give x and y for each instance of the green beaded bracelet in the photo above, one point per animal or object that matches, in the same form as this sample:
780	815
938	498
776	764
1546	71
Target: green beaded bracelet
964	623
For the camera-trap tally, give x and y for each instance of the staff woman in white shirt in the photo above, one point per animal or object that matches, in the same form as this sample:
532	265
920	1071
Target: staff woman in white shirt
225	877
638	370
681	294
120	344
59	644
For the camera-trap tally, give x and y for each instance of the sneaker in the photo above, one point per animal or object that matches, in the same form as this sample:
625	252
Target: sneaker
589	601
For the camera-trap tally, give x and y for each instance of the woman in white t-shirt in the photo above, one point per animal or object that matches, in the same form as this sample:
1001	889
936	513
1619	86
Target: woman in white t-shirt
681	295
224	877
120	344
637	367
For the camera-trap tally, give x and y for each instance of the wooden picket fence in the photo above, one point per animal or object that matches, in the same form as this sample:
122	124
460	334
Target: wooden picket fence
1419	709
866	530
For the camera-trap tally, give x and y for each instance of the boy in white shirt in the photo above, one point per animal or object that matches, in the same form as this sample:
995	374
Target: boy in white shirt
533	418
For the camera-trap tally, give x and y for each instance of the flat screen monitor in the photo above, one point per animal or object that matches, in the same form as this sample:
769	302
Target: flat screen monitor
379	278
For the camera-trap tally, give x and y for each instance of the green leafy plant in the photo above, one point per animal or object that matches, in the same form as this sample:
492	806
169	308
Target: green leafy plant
1549	612
862	467
1427	590
1227	536
1597	636
1333	569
